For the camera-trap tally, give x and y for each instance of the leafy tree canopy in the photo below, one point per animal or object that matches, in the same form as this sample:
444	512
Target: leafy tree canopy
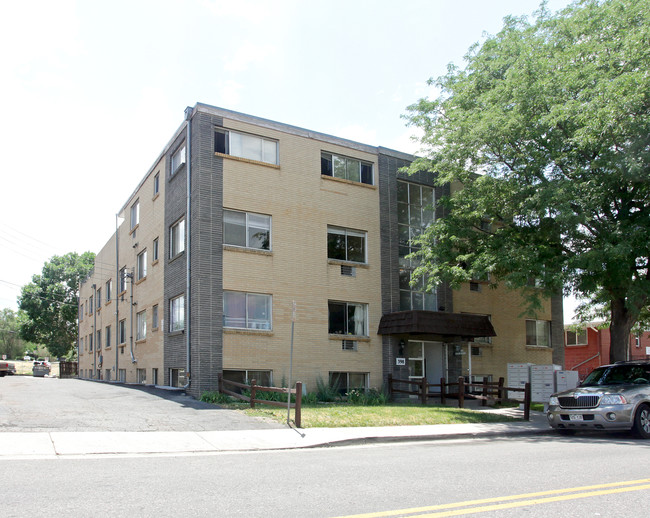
547	128
50	302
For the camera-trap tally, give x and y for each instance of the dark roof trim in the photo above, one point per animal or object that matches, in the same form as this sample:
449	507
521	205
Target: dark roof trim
435	323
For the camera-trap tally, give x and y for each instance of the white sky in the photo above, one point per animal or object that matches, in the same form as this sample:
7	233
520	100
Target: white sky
92	91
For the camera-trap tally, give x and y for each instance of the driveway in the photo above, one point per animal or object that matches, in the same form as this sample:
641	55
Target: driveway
29	404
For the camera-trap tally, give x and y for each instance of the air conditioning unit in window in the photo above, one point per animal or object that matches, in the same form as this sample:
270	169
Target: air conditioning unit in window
349	345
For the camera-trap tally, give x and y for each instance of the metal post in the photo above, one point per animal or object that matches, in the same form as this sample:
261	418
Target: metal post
293	322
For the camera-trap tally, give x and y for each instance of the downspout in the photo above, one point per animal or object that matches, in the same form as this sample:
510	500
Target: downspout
94	335
188	247
133	360
115	290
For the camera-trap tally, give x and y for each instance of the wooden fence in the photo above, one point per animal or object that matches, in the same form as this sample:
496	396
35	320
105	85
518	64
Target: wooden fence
254	388
484	391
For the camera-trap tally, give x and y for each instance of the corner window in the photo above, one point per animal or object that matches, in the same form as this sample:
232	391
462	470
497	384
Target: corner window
247	310
135	214
177	238
538	332
141	319
252	147
141	270
346	244
178	159
578	337
348	318
247	230
346	168
177	313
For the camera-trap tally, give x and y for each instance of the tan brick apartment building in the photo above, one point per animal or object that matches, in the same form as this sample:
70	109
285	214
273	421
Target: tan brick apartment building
242	219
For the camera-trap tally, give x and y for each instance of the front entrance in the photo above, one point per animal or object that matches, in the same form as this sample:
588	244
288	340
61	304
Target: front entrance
427	359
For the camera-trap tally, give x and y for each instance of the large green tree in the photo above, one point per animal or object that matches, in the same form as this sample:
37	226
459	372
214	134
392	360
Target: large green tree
50	302
547	129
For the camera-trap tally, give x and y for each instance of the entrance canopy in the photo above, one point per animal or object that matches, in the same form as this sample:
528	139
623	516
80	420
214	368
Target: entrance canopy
446	325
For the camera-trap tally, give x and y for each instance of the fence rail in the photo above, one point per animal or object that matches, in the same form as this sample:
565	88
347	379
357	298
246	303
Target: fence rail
254	388
488	390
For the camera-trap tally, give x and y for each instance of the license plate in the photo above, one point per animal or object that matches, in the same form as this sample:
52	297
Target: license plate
575	417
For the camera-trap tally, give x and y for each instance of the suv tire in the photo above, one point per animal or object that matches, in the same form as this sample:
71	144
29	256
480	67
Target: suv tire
642	421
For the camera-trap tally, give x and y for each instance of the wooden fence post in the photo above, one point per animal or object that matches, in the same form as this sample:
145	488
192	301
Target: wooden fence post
423	390
298	412
461	392
527	402
501	393
484	393
443	391
253	393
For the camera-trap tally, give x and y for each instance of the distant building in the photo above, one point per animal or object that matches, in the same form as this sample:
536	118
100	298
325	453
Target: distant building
241	217
588	347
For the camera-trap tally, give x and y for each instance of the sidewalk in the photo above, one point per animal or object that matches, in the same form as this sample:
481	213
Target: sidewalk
15	445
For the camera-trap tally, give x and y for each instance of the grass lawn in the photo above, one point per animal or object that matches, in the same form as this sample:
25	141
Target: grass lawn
342	415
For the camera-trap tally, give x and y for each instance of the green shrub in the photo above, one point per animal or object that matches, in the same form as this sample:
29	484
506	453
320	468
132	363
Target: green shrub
371	397
215	398
326	392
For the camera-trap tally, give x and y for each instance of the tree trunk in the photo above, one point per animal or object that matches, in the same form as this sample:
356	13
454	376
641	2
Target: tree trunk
619	331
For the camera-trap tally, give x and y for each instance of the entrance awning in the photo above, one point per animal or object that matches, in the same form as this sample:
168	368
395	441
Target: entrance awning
419	322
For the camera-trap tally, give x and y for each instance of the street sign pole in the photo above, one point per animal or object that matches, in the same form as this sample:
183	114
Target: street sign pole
293	322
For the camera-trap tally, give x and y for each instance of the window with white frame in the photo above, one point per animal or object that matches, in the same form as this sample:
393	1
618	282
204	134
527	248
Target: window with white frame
247	310
154	317
344	382
135	214
348	318
98	340
141	330
247	229
121	330
177	313
243	145
538	333
155	250
178	159
576	337
346	168
156	184
141	270
177	238
346	244
107	336
122	280
141	376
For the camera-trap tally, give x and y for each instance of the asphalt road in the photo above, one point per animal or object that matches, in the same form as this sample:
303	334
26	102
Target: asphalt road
550	476
29	404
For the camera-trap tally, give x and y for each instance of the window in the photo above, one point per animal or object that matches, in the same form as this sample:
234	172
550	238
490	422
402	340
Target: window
156	184
245	376
155	250
141	270
99	298
346	244
81	345
577	337
121	330
177	313
247	229
246	310
98	341
122	280
135	214
176	377
348	318
141	376
154	376
107	336
81	312
154	317
414	213
538	332
416	360
346	168
109	290
177	238
141	320
178	159
344	382
90	342
90	305
242	145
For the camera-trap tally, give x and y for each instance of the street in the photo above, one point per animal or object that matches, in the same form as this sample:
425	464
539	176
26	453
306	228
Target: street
405	479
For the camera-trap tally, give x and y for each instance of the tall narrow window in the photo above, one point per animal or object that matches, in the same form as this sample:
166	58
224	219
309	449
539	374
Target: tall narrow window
141	319
135	214
121	330
156	184
178	159
141	270
177	313
177	238
155	250
154	317
109	290
107	336
122	279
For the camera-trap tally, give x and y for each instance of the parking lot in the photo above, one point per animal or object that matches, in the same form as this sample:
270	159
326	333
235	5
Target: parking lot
29	404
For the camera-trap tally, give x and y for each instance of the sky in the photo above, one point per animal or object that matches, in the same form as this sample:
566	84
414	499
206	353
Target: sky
93	91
